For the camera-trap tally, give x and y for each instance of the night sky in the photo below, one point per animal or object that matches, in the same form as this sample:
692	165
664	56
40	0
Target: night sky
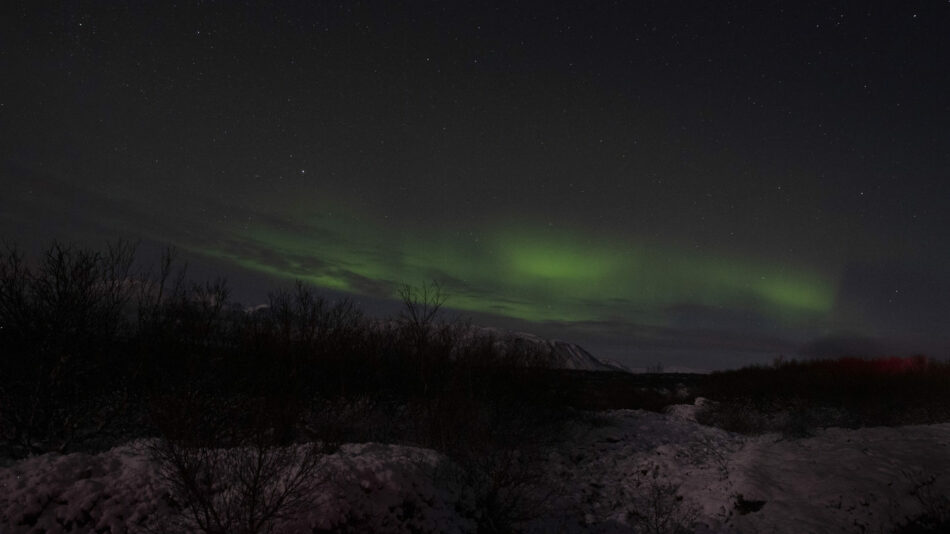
700	184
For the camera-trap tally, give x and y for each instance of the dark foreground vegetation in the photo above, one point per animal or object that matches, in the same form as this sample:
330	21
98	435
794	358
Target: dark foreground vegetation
95	351
797	397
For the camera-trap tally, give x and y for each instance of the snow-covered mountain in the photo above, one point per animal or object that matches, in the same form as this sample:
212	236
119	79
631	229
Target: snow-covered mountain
562	354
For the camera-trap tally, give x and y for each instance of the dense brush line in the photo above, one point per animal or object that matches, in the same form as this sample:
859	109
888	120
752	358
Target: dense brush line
92	345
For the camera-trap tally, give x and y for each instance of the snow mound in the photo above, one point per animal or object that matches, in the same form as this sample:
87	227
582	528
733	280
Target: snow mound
385	488
369	488
115	491
611	470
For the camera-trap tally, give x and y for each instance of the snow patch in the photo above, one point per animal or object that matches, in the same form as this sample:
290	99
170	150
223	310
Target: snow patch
606	474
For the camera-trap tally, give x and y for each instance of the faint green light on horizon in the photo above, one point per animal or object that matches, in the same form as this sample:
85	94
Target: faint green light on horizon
536	276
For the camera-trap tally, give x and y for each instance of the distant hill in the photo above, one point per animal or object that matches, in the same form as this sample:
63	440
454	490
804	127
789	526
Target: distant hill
562	354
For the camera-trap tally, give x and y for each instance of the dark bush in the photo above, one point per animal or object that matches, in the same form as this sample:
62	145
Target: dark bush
63	327
228	470
795	397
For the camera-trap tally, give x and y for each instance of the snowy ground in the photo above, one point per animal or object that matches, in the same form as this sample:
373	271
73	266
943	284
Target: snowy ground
607	479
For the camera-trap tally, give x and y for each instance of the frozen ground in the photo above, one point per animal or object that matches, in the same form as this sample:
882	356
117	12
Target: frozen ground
615	469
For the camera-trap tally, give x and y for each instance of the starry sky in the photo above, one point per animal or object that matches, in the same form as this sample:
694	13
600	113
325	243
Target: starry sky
696	184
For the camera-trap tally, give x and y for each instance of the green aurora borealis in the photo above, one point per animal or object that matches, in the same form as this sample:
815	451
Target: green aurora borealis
698	184
537	275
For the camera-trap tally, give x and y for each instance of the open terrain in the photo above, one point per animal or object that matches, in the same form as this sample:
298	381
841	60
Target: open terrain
621	471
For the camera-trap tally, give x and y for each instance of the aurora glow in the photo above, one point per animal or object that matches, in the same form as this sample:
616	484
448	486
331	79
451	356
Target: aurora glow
706	184
538	276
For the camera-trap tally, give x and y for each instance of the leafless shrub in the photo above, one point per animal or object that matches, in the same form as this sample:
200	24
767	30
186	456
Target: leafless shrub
658	506
225	467
504	488
243	490
710	450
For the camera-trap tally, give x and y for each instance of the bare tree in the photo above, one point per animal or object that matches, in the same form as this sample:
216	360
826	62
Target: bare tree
420	309
62	321
421	305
